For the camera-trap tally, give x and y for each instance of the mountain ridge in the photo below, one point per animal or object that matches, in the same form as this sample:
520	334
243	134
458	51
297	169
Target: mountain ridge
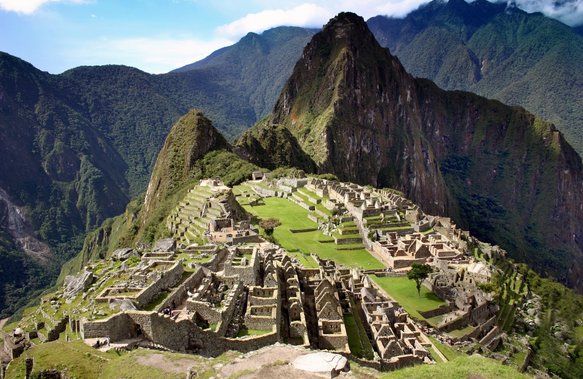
497	170
494	50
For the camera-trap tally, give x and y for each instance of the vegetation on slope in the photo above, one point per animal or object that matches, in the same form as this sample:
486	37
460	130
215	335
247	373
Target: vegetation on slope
497	51
194	150
499	171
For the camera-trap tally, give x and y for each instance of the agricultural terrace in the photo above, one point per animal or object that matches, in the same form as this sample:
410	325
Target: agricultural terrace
404	292
292	216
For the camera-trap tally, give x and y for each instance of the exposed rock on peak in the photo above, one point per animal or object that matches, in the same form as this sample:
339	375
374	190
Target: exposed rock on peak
190	138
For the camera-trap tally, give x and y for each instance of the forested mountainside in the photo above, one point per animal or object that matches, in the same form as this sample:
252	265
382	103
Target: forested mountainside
77	146
508	176
497	51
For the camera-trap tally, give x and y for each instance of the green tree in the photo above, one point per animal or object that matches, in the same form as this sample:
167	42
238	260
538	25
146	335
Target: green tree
418	273
269	225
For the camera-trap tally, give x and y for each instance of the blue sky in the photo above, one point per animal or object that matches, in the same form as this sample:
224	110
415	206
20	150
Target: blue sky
159	35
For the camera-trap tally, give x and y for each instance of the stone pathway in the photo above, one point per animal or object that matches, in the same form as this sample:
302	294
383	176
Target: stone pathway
2	322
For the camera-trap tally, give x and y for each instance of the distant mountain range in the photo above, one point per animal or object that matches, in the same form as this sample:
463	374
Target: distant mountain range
497	51
77	146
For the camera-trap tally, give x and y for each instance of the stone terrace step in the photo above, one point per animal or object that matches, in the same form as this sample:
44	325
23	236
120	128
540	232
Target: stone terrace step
215	212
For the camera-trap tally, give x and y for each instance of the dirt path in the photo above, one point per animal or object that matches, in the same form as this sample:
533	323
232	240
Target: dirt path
159	361
2	322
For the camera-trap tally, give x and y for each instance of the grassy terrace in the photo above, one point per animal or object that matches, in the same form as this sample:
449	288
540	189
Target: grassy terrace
358	340
292	216
404	292
313	195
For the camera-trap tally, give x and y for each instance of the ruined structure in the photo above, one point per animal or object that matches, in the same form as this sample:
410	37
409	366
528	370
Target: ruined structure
243	294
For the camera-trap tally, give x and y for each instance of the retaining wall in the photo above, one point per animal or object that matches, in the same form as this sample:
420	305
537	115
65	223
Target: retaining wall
183	335
168	280
213	264
303	230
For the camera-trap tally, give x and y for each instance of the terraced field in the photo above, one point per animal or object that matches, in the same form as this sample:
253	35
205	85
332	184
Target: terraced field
293	216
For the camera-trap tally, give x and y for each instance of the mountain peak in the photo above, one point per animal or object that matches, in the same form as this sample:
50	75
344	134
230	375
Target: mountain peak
359	115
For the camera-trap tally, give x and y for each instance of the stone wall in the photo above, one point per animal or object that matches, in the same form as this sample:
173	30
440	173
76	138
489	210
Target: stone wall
489	337
303	230
245	239
168	280
369	212
310	208
183	335
248	273
117	327
337	340
392	274
315	219
264	191
347	241
458	323
181	291
54	333
213	264
442	309
293	182
206	310
265	317
402	361
321	214
285	188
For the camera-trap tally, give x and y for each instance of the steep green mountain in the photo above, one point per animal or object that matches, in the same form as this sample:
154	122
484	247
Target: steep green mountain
194	150
77	146
499	171
59	177
497	51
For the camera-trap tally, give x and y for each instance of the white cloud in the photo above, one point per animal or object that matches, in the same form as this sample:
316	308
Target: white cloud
148	54
304	15
400	9
569	12
312	15
29	6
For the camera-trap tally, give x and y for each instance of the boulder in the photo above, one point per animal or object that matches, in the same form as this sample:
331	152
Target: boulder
142	246
164	245
125	253
321	363
78	284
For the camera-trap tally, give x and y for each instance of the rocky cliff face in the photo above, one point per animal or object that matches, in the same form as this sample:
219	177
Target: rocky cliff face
495	50
501	172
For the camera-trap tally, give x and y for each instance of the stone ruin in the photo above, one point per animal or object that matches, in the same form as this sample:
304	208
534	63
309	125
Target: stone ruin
210	307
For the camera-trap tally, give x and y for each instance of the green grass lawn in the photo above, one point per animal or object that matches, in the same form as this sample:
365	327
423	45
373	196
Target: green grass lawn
435	356
447	351
460	368
461	332
292	216
358	340
404	291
